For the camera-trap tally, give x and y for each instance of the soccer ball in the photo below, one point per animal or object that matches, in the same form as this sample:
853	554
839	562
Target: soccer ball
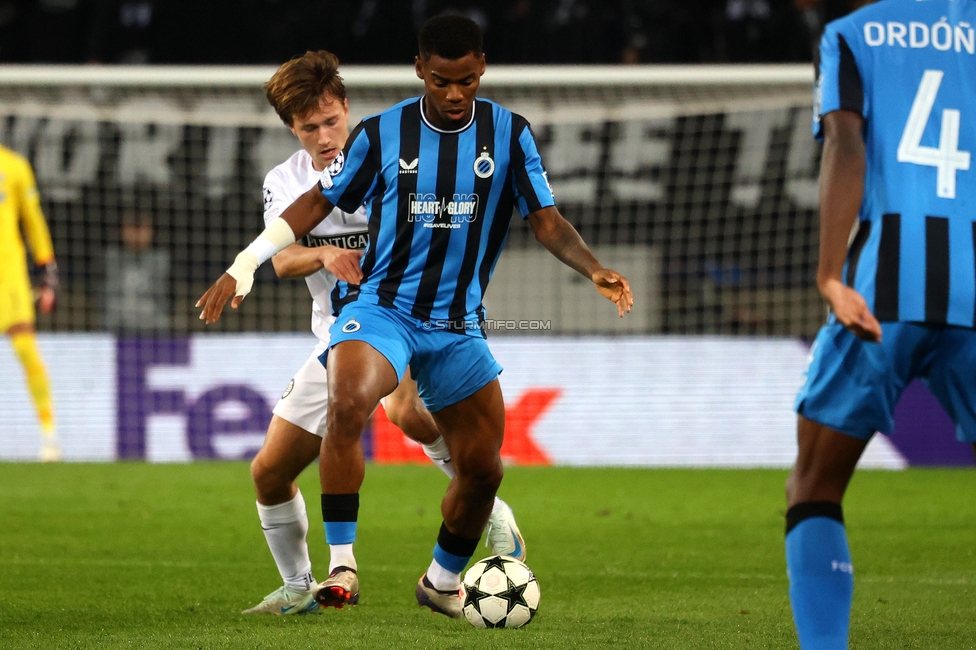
499	591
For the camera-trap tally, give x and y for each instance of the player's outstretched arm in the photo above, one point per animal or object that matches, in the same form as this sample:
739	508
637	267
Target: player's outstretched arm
561	239
296	221
299	261
841	192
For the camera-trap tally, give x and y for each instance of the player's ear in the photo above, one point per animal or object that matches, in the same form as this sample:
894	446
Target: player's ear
418	65
484	64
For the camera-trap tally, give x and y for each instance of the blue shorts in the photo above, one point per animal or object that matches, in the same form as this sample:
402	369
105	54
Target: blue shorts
852	386
447	366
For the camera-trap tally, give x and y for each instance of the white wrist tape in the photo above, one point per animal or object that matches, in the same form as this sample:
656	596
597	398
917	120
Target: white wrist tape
242	270
276	237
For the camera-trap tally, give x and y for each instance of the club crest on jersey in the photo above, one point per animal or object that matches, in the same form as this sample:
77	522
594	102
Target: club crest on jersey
408	167
484	166
351	326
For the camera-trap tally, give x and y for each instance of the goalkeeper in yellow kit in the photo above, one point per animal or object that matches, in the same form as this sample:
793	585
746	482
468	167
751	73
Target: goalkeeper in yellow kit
20	211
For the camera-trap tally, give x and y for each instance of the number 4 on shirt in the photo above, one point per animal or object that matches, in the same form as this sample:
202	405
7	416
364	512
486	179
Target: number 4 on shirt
947	158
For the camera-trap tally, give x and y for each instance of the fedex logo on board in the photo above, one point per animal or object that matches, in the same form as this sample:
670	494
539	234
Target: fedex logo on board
222	409
210	416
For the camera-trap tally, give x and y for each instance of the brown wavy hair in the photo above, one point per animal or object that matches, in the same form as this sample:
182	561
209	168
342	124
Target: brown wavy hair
296	88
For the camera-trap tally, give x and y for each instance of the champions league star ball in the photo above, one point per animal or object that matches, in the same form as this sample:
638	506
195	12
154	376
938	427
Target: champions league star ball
499	591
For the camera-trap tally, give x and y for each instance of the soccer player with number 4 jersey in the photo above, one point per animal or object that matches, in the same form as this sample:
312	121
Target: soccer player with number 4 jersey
896	109
440	176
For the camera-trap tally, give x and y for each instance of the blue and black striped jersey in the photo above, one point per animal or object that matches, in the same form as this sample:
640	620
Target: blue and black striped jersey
909	68
439	205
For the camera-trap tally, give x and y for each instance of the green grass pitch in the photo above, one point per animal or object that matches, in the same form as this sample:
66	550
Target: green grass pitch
166	556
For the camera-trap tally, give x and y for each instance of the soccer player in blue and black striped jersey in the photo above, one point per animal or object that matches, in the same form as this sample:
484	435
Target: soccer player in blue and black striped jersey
896	108
440	176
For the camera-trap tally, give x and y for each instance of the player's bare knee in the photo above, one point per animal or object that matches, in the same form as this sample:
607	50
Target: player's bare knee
270	483
347	417
405	420
398	412
480	476
259	468
489	481
256	469
416	422
350	405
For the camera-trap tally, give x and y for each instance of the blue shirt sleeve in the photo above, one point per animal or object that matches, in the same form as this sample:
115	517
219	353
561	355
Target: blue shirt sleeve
531	185
351	178
839	86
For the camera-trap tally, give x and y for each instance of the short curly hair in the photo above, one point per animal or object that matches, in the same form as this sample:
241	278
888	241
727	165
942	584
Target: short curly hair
449	36
296	88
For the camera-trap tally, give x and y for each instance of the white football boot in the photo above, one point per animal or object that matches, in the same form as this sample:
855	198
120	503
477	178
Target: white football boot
447	603
341	588
502	534
284	601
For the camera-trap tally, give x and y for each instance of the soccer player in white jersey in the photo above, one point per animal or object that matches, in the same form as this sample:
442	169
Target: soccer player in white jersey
309	96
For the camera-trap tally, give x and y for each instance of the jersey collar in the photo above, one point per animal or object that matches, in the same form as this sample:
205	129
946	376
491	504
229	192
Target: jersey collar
423	116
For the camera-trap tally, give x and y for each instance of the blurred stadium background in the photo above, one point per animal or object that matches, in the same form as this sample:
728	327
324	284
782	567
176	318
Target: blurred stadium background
697	180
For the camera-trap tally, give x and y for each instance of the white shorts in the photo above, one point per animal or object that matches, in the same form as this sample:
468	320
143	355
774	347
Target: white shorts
305	399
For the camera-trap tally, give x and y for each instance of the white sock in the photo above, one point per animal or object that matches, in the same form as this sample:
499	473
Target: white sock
438	453
341	555
441	578
285	526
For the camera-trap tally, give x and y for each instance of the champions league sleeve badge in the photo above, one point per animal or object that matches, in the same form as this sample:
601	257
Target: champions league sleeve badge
332	170
484	166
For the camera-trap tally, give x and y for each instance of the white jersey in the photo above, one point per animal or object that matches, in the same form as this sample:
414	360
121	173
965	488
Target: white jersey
282	186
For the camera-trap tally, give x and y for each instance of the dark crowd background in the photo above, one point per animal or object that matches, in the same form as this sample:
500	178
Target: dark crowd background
383	31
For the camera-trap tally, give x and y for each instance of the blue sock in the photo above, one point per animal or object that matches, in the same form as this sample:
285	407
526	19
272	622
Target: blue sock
818	563
340	532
